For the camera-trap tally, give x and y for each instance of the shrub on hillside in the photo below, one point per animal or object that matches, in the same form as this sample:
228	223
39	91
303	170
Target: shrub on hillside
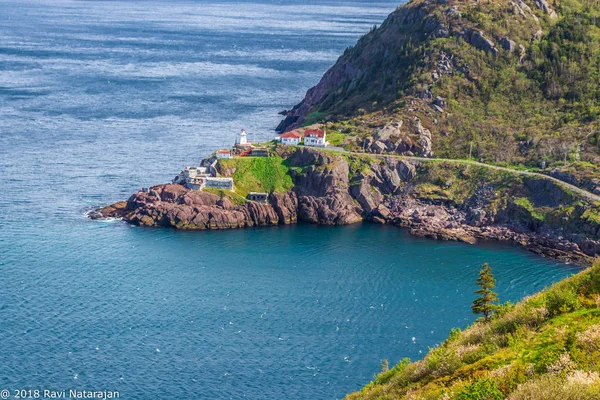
589	340
552	387
595	277
562	300
481	389
443	361
385	376
520	316
512	375
563	364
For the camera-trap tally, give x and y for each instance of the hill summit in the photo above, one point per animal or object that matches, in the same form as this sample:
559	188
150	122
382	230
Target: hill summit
502	81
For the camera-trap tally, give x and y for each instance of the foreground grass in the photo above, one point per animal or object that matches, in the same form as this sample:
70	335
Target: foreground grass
257	174
545	347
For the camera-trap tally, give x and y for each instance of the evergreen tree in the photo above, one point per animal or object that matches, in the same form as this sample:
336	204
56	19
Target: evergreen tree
385	366
484	304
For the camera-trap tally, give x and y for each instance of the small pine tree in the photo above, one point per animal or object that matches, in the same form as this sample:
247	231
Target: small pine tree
385	366
484	304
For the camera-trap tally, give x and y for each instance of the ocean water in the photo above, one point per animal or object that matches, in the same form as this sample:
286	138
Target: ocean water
100	98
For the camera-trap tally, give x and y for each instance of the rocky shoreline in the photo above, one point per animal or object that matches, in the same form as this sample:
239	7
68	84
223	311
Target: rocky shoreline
442	223
335	190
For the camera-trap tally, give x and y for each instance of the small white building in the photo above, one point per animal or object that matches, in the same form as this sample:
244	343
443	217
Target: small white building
315	137
219	183
223	153
290	138
189	173
197	178
192	177
196	183
259	197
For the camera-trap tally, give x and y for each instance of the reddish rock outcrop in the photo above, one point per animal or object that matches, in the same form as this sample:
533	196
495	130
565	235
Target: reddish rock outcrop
322	189
178	207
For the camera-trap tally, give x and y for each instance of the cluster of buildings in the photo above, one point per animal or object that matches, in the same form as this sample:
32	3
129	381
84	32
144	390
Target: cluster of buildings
198	178
312	137
206	176
242	148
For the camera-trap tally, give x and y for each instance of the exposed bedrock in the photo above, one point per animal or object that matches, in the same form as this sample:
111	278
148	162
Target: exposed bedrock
384	191
176	206
322	189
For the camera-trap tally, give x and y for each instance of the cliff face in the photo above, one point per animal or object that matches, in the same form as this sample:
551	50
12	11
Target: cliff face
505	81
434	199
178	207
322	188
341	87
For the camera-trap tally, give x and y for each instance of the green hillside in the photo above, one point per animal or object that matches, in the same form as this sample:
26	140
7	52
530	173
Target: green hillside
545	347
509	82
257	174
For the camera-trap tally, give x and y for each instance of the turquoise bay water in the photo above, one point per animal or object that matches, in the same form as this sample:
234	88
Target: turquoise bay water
100	98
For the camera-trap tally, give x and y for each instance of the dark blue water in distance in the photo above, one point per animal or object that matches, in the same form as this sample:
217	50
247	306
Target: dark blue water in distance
100	98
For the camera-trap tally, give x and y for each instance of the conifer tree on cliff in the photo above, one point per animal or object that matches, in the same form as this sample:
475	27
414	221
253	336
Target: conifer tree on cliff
484	304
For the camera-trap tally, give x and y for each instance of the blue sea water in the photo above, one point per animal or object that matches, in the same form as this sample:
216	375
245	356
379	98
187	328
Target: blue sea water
100	98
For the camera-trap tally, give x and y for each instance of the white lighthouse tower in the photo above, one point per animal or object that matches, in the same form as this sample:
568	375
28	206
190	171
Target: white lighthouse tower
242	140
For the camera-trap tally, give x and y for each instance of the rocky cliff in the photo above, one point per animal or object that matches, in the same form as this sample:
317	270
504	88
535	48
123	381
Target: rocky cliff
433	199
173	205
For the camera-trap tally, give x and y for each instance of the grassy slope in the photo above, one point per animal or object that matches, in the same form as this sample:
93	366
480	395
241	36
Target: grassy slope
514	110
258	174
545	347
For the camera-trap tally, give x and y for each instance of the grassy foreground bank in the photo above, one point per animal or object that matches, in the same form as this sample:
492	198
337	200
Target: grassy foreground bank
544	347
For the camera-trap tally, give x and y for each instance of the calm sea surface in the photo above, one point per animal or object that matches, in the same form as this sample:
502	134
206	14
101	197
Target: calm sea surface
100	98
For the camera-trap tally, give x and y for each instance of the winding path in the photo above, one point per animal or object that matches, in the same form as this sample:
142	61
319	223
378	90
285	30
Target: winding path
591	197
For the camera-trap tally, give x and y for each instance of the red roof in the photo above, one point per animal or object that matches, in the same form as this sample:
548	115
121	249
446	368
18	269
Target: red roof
291	135
320	133
224	151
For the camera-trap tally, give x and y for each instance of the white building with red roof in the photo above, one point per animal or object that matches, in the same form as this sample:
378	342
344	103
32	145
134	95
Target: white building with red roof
223	153
290	138
315	137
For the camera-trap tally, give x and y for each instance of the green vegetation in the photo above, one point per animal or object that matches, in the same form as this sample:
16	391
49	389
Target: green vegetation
358	165
591	215
457	182
545	347
516	107
257	174
481	389
485	303
532	211
313	117
335	138
525	203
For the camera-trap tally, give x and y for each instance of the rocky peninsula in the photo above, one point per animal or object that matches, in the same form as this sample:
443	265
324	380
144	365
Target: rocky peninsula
440	200
436	79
